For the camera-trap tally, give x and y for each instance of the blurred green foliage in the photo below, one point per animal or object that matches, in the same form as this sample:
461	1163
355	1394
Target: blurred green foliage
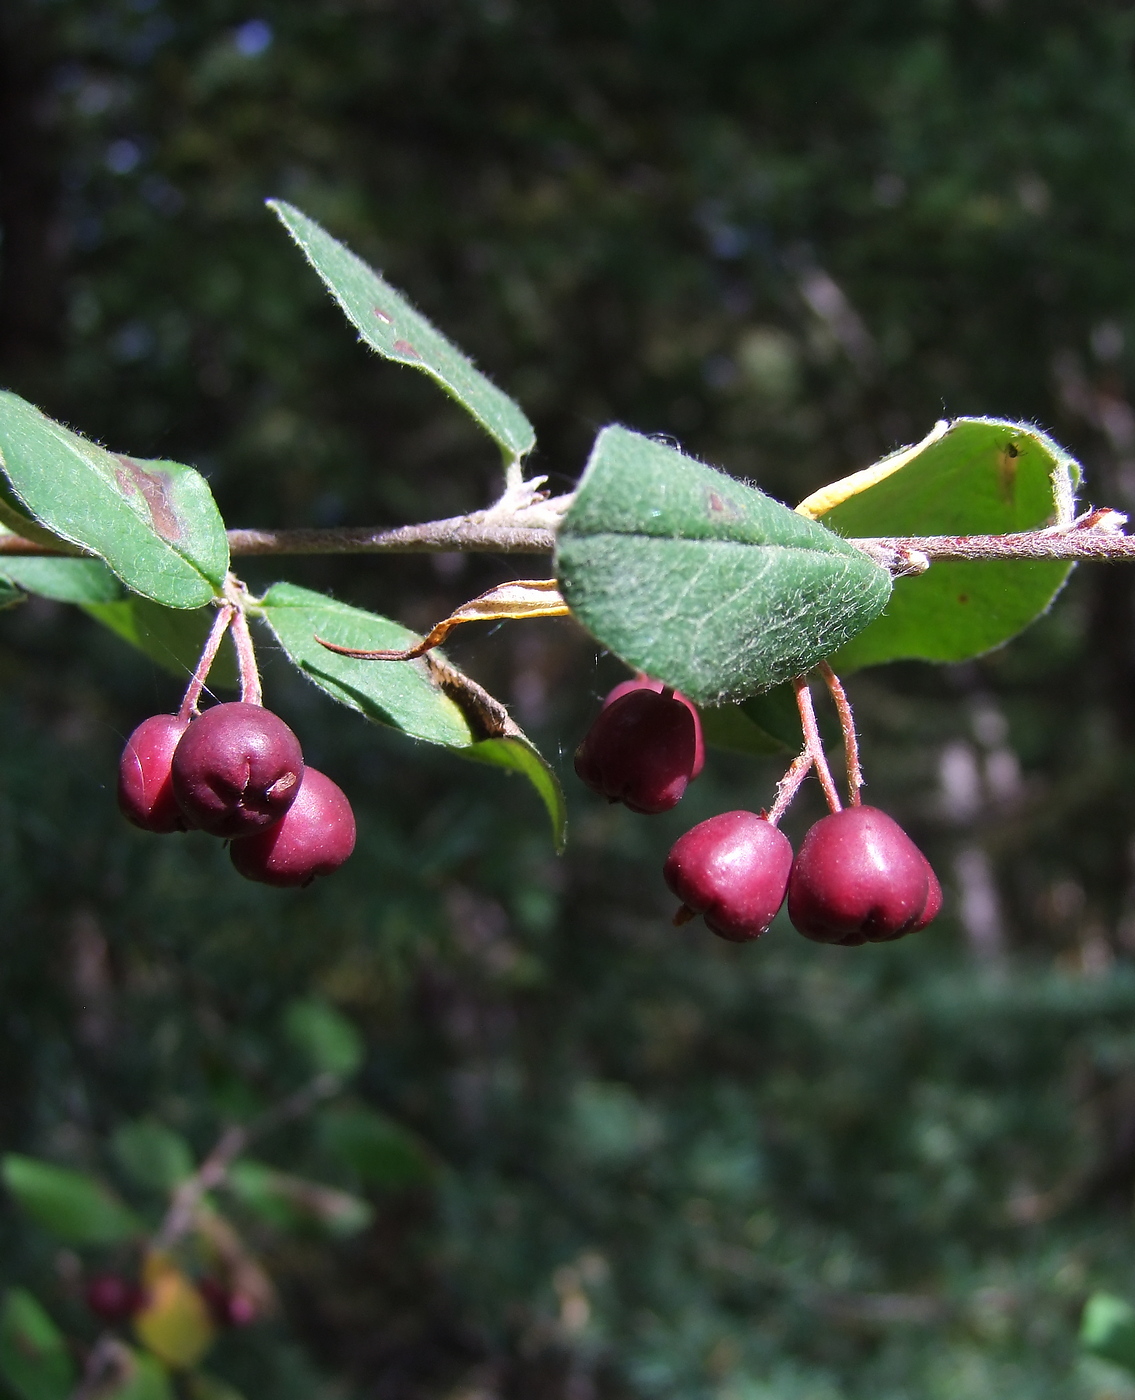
606	1158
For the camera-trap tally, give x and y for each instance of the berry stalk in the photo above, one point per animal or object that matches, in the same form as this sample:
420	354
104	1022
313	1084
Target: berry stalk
813	744
250	689
847	725
208	655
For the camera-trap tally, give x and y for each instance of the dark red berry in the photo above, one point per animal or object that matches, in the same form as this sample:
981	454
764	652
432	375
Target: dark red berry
236	770
640	750
314	837
645	683
859	878
733	870
145	786
113	1298
228	1307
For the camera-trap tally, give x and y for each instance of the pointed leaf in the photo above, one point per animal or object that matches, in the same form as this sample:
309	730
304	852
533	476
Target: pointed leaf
702	581
171	637
378	1150
152	1154
34	1358
155	523
329	1042
390	325
426	698
74	1207
63	580
970	476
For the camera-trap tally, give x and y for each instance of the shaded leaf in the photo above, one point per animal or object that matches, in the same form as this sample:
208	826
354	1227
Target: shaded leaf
390	325
1107	1330
171	637
152	1154
378	1150
64	580
202	1386
74	1207
175	1323
329	1042
155	523
426	698
292	1202
702	581
969	476
34	1359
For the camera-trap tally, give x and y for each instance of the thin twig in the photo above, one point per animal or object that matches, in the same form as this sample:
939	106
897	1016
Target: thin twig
813	743
847	725
205	664
235	1140
250	691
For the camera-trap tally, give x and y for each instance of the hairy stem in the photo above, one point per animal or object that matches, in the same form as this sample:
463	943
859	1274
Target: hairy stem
813	744
789	785
847	725
250	690
205	664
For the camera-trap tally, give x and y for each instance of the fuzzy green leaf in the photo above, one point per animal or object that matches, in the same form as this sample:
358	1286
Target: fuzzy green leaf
426	699
972	476
390	325
155	523
702	581
34	1357
63	580
74	1207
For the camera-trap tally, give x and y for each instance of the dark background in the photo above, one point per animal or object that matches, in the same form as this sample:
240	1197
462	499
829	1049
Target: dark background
791	236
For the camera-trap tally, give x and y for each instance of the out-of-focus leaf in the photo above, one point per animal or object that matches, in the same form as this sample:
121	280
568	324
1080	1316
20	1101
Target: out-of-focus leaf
202	1386
762	725
155	523
390	325
294	1203
171	637
378	1150
74	1207
175	1323
329	1042
971	476
131	1375
1107	1330
702	581
34	1359
152	1154
63	580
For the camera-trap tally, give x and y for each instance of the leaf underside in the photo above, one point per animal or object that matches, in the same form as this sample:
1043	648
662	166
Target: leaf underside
702	581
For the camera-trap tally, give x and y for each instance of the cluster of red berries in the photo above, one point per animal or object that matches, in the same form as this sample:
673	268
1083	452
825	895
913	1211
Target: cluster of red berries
857	877
237	772
116	1299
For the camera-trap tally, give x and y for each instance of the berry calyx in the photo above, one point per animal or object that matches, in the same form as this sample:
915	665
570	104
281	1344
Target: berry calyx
236	770
859	878
733	870
113	1298
314	837
145	782
640	750
645	683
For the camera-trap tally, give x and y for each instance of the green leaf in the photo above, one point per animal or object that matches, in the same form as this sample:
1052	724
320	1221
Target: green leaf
171	637
329	1042
64	580
1107	1330
71	1205
378	1150
152	1154
427	698
34	1358
702	581
155	523
294	1203
971	476
390	325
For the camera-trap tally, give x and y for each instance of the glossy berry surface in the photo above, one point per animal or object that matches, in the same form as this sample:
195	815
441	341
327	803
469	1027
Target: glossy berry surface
640	750
236	770
733	870
314	837
645	683
113	1298
859	878
145	782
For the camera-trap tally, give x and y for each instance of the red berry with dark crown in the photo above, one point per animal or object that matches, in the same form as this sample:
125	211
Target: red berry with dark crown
859	878
314	837
645	683
236	770
145	781
733	870
640	750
